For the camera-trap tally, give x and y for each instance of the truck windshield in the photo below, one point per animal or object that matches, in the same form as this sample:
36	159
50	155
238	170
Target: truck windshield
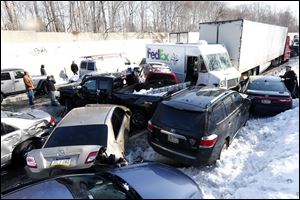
217	62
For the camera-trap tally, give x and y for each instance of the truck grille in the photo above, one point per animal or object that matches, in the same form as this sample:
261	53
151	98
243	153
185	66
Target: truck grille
232	83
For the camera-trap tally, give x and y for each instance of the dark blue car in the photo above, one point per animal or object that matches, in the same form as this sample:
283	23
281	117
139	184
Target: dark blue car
268	94
138	181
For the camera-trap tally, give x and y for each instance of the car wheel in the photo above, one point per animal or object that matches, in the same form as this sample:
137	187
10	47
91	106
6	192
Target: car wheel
138	119
20	153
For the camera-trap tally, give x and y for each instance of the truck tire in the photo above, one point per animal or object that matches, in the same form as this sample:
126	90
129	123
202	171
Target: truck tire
20	152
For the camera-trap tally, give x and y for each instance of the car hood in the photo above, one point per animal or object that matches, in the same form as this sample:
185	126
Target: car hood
158	181
20	123
30	115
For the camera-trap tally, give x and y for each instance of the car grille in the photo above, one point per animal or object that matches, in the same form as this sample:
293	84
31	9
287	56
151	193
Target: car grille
232	83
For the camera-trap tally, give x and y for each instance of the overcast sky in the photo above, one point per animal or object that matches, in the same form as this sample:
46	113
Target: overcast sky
293	5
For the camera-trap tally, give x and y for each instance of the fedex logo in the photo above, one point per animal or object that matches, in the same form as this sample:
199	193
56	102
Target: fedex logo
158	54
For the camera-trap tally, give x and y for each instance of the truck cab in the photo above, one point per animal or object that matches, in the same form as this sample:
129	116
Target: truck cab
200	63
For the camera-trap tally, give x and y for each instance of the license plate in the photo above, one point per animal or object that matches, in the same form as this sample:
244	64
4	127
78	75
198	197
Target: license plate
173	139
62	162
264	101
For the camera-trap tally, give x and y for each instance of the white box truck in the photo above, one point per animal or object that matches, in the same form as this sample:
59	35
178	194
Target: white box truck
200	63
252	46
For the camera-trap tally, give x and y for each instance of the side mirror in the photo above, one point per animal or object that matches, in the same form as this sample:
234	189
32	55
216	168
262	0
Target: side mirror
128	112
102	150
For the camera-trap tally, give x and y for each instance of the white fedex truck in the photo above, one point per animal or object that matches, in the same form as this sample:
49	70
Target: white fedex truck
202	63
252	46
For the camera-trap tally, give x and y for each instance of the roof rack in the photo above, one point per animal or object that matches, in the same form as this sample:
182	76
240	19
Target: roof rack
101	56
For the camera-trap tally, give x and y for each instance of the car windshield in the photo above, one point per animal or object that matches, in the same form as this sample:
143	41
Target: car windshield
267	86
179	119
78	135
217	62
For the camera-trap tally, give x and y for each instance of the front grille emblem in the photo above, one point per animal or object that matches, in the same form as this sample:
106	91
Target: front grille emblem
61	152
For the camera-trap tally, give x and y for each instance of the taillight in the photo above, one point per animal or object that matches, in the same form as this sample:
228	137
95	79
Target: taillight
208	141
52	121
150	126
286	101
31	162
91	157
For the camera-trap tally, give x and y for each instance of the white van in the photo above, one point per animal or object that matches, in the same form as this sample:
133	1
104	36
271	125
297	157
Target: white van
105	63
207	64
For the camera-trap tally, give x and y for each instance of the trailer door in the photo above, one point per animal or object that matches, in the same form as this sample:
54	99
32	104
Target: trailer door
208	32
230	34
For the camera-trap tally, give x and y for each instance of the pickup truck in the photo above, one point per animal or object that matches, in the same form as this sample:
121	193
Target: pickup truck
109	89
12	82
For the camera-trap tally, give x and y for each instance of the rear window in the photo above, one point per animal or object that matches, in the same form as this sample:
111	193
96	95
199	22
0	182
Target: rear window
267	86
83	65
78	135
91	66
179	119
167	78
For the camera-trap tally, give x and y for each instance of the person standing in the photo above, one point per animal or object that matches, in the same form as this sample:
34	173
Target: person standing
74	68
29	87
43	71
290	81
50	89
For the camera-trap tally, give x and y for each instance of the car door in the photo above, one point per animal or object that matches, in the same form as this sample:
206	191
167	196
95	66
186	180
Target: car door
217	123
7	83
19	83
243	106
233	114
119	123
10	138
89	91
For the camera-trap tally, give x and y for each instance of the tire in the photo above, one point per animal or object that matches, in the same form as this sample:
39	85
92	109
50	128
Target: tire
20	153
138	119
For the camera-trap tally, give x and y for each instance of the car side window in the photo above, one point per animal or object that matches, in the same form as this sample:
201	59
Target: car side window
90	85
218	114
229	105
237	99
18	74
5	129
117	119
5	76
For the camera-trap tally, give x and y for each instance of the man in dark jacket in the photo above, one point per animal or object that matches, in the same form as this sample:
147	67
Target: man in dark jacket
43	71
50	89
74	68
290	81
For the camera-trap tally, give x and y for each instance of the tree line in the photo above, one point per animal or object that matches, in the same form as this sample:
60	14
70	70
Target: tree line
134	16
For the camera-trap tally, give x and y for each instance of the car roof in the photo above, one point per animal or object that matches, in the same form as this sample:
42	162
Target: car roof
86	115
196	98
265	78
11	69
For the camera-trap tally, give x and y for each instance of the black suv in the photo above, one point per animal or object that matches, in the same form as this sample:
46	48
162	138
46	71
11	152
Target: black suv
196	124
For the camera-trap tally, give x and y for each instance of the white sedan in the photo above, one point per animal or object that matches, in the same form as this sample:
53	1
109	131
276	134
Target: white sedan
21	132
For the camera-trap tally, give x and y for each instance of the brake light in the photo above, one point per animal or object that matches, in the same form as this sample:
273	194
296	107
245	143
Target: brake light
52	121
150	126
30	161
208	141
91	157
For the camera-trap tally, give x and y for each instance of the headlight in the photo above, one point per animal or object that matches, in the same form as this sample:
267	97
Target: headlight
222	83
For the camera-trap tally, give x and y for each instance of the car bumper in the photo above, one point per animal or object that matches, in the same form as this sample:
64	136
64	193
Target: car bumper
201	158
261	109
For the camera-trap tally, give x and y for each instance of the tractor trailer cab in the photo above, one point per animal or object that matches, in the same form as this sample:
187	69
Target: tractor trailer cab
200	63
